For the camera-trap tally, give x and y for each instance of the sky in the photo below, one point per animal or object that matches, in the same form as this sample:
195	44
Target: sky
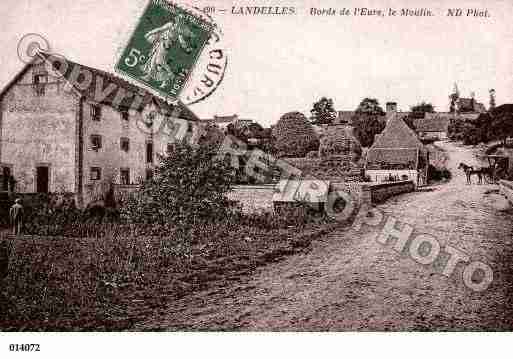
279	64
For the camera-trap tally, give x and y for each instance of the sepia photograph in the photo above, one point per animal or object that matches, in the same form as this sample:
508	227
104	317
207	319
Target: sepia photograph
234	168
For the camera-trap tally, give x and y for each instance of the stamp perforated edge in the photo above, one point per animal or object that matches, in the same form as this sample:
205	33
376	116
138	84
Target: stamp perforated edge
131	31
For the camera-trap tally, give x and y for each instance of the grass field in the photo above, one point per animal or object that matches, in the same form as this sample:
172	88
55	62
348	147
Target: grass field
112	281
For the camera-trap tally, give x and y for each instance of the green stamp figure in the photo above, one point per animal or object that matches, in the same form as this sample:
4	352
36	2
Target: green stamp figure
164	47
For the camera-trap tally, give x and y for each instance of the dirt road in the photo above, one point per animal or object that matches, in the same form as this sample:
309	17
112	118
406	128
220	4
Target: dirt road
349	281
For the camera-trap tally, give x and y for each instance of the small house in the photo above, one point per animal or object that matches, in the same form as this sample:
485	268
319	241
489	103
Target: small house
397	154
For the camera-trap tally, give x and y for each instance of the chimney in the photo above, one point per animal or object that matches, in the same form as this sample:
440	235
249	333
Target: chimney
391	107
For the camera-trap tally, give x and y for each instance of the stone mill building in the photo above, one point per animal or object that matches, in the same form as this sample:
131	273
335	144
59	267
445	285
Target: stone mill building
65	127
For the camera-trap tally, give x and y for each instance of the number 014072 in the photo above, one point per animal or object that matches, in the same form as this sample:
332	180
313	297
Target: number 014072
24	348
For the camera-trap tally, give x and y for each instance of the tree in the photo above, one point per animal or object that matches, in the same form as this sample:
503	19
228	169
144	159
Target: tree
323	112
419	110
470	131
189	186
501	123
471	134
455	129
211	135
368	121
492	99
370	106
453	98
366	127
502	126
294	136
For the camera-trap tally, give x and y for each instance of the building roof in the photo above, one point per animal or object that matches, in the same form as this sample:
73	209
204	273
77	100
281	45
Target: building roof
397	135
106	80
235	119
466	104
344	117
479	107
397	144
222	119
504	108
342	131
432	122
453	115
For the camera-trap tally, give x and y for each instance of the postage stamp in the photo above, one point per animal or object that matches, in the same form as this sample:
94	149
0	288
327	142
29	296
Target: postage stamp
164	47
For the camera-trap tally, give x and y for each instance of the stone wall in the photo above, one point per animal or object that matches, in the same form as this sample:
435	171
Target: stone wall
97	193
39	130
260	198
506	189
368	193
379	192
253	198
354	189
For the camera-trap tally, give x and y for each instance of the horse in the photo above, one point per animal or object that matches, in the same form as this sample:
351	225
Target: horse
469	171
489	174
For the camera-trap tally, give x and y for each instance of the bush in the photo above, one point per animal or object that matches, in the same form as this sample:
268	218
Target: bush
294	136
189	186
445	173
339	141
438	174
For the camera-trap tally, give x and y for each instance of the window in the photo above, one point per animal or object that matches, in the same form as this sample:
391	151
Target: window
96	142
124	175
124	144
96	173
39	83
149	152
40	79
149	174
124	115
95	112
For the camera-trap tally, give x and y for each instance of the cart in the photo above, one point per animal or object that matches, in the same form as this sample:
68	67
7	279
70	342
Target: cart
498	168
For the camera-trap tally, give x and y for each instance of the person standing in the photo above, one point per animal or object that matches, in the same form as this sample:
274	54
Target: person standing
16	216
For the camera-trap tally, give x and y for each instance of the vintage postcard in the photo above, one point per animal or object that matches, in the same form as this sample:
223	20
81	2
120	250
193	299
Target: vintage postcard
272	166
